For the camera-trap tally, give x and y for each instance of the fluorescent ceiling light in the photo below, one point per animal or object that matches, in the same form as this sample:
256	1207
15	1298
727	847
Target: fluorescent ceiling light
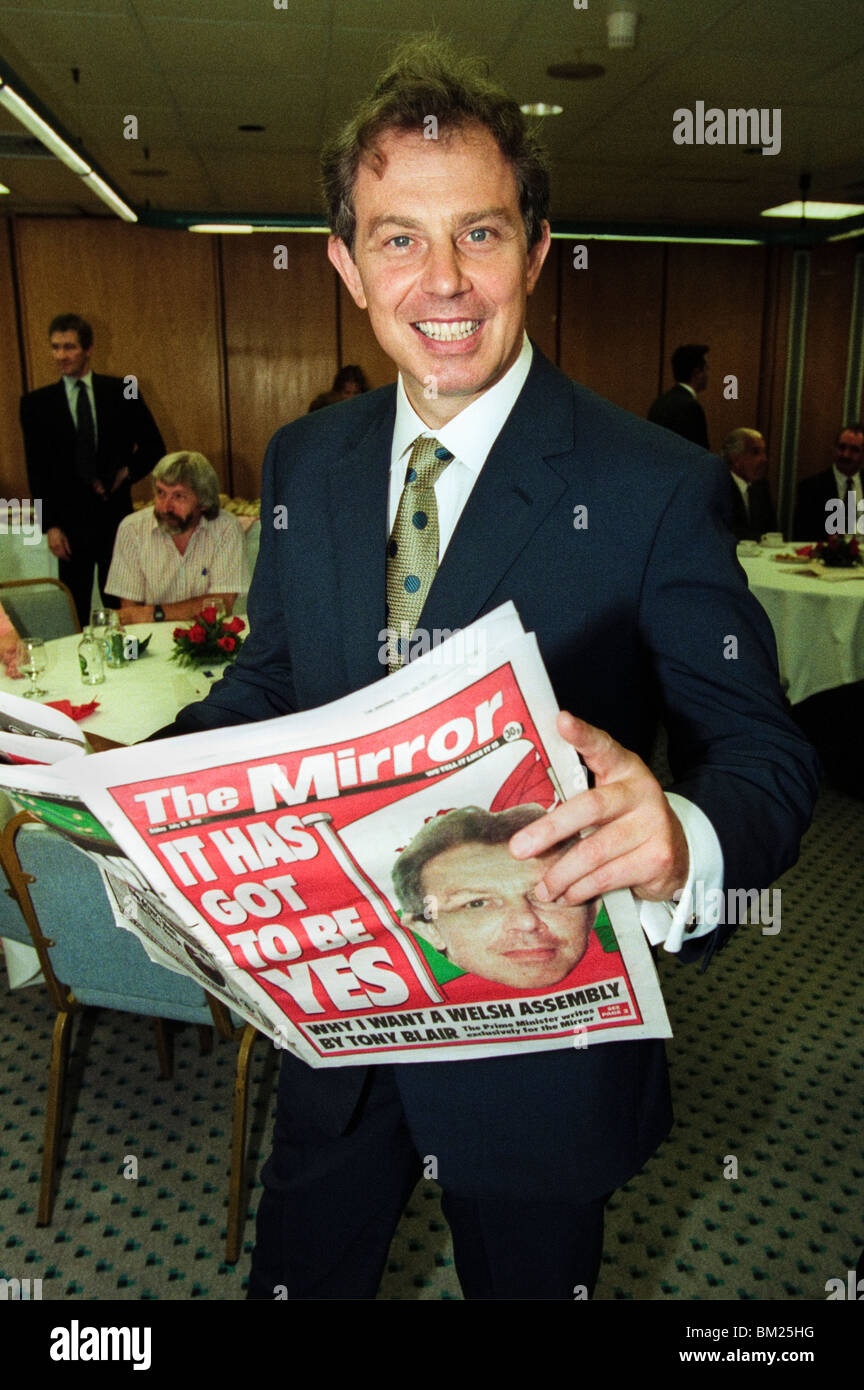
108	196
847	236
540	108
35	124
814	212
220	227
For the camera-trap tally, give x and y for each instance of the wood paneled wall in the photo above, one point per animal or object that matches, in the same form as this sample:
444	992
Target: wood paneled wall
828	320
612	320
152	298
227	343
281	340
715	295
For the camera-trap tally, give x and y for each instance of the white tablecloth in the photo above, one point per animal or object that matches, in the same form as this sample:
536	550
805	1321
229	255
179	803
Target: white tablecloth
819	625
135	700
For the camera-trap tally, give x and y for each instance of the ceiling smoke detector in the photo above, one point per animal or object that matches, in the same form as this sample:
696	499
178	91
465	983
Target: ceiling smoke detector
621	25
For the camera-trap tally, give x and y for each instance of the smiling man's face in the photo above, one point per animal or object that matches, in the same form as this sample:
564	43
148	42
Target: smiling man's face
441	263
486	919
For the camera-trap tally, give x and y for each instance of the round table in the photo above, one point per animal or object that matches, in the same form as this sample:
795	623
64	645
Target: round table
137	698
818	623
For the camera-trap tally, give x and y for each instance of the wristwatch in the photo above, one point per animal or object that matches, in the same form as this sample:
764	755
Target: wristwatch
158	613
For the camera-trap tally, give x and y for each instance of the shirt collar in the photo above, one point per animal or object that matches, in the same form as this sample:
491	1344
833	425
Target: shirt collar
70	382
687	387
469	435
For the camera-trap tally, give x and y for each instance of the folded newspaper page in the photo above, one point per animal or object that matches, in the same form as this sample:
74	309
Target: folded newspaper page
340	877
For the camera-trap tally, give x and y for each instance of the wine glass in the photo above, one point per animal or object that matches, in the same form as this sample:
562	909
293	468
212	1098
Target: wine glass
32	661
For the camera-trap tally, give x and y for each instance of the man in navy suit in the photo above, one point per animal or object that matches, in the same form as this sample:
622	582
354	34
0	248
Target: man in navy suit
678	409
822	502
86	439
609	535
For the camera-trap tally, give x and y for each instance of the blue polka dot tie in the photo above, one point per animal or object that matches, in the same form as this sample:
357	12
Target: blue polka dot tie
412	550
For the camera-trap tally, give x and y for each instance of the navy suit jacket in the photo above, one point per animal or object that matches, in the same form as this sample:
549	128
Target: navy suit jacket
634	613
680	412
762	517
127	436
811	499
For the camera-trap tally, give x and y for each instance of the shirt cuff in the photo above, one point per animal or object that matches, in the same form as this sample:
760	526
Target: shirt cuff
669	922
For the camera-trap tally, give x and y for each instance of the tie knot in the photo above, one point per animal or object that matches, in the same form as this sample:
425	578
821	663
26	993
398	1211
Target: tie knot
428	460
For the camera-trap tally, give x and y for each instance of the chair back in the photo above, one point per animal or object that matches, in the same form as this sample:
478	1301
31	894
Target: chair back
98	962
40	607
13	927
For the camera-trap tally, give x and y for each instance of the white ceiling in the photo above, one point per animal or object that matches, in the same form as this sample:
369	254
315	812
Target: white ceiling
191	71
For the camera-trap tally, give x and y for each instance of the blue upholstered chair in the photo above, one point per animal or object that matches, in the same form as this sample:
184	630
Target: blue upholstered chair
88	960
40	607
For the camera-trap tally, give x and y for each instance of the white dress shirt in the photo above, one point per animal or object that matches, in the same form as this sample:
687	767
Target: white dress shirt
469	436
842	481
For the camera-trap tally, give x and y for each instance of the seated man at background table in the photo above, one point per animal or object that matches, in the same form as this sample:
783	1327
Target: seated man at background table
746	457
835	494
182	553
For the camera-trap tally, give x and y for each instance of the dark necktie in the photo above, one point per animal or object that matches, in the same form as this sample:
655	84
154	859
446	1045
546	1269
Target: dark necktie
412	550
85	442
850	506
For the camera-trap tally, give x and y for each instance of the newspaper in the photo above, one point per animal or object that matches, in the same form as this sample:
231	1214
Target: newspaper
340	877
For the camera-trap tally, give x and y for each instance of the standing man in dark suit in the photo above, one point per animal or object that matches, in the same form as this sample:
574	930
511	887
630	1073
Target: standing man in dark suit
746	457
609	539
87	439
833	496
679	410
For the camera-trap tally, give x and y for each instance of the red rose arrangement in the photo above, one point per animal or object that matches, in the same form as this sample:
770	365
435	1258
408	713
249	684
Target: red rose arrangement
838	552
211	638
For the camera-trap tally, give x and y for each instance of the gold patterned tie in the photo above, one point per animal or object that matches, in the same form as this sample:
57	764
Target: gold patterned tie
412	550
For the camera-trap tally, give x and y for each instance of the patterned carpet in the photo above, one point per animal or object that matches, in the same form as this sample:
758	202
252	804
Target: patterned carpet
767	1068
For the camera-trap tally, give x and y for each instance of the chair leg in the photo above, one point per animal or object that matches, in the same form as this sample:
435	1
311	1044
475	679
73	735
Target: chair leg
54	1114
205	1040
237	1183
164	1048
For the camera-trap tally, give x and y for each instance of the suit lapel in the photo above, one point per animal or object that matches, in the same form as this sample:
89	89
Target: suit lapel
63	415
516	489
358	491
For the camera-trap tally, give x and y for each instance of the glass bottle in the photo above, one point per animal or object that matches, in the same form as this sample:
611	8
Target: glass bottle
114	641
91	658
